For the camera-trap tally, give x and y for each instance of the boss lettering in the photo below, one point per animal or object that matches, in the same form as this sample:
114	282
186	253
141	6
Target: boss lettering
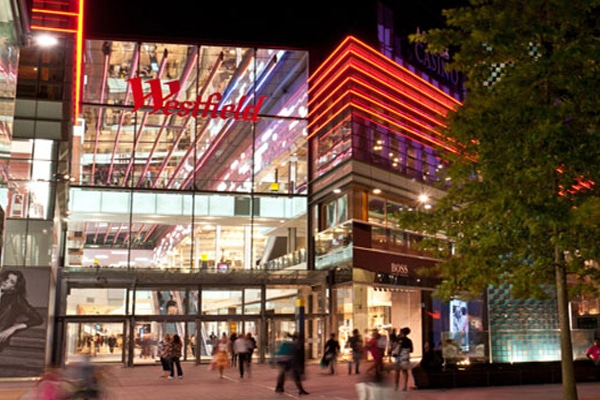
400	269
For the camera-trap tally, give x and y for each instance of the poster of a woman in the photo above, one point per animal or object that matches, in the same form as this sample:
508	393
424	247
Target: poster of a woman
22	327
459	324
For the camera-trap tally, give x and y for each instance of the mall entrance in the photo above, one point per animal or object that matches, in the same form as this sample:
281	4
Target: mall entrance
110	320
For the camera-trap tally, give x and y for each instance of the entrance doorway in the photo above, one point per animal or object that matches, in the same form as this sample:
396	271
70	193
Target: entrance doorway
101	341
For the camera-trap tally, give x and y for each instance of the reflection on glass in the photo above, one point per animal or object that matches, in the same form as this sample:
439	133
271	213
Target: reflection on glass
252	301
102	341
377	210
221	302
92	301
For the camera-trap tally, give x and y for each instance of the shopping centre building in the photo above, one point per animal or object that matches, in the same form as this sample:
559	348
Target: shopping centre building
201	188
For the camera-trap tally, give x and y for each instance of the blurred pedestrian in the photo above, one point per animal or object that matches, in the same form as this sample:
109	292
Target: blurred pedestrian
221	355
404	346
377	353
251	347
332	348
593	352
290	359
174	355
241	349
232	338
163	354
355	343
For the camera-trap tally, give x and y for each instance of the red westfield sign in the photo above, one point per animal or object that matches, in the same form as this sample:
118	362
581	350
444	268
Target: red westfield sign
209	107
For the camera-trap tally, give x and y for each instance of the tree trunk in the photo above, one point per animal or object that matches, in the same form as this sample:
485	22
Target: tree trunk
566	347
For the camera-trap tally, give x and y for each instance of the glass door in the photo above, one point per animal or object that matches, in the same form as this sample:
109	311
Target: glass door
101	341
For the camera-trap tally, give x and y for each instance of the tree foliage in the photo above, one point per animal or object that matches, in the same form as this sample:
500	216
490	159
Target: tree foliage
525	186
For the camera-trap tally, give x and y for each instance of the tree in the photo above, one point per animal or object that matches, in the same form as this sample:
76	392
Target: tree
523	205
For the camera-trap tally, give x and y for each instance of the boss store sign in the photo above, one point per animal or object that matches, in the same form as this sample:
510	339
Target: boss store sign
393	264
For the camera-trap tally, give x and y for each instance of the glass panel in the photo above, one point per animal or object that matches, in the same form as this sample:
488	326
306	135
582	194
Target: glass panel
380	307
282	301
252	301
146	337
160	302
91	301
221	302
30	174
393	210
397	241
102	341
379	238
377	210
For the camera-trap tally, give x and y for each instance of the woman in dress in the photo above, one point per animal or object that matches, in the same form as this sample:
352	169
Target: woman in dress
16	314
221	355
404	346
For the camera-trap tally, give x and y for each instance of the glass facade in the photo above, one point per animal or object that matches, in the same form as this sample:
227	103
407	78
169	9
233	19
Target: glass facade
180	203
218	184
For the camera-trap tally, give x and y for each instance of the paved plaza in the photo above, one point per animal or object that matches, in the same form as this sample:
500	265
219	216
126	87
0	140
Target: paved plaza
144	383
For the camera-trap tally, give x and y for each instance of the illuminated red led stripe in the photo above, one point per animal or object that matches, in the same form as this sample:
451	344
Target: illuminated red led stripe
318	74
342	97
388	97
398	87
46	11
394	111
46	28
368	55
402	128
42	15
352	104
389	77
78	61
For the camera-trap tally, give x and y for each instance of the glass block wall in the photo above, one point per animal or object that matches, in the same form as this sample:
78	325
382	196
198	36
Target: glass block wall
523	330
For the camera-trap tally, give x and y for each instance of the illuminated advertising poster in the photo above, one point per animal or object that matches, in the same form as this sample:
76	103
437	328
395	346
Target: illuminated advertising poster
23	321
459	323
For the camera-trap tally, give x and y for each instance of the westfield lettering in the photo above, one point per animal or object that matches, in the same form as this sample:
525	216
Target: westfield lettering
209	107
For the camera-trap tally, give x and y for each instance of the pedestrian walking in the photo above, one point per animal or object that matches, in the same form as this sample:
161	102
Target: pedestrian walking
221	355
355	343
332	348
290	360
251	347
233	355
241	350
377	352
404	346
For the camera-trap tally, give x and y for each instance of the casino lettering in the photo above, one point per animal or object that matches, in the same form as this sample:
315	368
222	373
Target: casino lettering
435	63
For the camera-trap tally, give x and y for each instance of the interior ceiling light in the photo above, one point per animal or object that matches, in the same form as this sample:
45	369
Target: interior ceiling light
377	191
423	198
45	40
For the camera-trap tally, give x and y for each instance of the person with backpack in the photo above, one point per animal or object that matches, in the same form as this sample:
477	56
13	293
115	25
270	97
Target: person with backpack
332	348
355	343
290	359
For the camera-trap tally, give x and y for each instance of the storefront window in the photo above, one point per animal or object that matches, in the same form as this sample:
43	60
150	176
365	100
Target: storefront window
378	238
380	308
221	302
91	301
252	301
377	210
282	301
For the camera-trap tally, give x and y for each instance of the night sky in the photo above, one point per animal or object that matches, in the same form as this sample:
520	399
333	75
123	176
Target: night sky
298	24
